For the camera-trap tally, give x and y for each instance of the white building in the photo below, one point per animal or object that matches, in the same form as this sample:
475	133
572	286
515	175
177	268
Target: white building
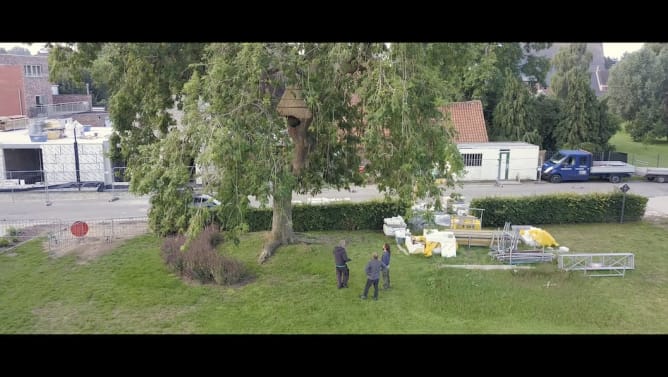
500	161
32	156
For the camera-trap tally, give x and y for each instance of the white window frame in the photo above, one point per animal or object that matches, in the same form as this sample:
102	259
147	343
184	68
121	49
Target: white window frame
32	70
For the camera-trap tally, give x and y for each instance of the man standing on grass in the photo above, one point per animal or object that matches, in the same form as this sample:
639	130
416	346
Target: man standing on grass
372	270
385	260
341	261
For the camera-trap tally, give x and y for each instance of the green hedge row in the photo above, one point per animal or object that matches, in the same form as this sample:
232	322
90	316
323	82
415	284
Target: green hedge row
338	216
562	208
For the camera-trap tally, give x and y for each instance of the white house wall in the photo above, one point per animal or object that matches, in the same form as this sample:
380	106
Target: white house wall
91	162
59	164
523	162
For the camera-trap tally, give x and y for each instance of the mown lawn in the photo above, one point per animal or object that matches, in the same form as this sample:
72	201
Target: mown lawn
130	290
642	154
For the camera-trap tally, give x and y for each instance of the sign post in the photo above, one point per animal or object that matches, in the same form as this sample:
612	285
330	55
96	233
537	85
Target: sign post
623	188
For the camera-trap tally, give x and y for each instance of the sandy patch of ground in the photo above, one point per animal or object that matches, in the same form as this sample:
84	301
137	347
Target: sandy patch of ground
102	238
86	252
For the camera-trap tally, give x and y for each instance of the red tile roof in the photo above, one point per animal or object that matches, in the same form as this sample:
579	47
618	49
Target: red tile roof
468	120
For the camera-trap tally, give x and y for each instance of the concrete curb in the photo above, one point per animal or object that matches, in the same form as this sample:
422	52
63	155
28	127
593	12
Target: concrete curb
69	195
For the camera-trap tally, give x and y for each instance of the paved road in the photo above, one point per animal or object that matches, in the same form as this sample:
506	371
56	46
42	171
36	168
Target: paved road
93	205
71	206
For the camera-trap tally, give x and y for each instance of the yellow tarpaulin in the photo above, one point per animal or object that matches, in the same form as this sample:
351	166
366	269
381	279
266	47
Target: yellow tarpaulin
540	236
429	245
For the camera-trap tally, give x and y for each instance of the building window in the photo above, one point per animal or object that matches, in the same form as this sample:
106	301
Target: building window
39	100
472	159
32	70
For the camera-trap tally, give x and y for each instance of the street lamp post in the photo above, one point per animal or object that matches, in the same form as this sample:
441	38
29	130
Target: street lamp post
76	159
46	188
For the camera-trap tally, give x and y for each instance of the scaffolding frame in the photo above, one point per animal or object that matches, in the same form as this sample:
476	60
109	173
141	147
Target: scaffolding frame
598	264
504	248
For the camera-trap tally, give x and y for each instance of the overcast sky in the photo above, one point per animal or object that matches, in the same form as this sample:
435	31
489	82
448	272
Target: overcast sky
612	50
33	47
616	50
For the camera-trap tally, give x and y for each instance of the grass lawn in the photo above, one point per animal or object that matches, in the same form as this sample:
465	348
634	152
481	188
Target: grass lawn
130	290
640	154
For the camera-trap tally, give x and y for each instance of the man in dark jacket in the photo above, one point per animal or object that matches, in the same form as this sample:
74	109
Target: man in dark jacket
341	261
372	270
385	259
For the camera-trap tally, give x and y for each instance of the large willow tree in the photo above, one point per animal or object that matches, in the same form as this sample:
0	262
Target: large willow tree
267	120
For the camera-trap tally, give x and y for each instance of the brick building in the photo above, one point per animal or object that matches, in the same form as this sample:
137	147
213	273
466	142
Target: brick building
24	84
25	90
38	128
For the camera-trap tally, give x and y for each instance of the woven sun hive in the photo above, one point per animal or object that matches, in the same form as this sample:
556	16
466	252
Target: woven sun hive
292	104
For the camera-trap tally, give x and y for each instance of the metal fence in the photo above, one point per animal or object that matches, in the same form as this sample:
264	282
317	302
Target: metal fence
58	109
649	162
16	232
89	170
43	180
63	235
46	183
631	158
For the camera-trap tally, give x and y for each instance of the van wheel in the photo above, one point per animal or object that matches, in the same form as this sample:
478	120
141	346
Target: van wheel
555	179
660	179
615	179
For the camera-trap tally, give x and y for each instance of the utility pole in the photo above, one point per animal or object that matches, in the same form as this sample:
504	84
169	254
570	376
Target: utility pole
76	159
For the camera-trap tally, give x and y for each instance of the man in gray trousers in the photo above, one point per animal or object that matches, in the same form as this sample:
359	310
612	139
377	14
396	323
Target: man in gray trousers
372	270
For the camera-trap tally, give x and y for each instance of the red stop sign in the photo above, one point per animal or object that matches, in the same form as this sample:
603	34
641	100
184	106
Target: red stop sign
79	228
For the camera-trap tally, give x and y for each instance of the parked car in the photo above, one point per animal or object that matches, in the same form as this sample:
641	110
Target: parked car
203	200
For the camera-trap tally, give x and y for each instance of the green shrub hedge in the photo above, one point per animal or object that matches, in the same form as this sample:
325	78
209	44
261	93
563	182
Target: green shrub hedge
338	216
562	208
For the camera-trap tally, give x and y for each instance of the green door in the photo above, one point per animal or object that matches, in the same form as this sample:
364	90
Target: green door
504	164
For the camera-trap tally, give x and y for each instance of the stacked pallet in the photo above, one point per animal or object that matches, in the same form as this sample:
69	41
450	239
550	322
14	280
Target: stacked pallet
473	237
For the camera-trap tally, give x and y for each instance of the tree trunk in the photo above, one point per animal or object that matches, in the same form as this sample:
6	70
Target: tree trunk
298	118
281	225
299	136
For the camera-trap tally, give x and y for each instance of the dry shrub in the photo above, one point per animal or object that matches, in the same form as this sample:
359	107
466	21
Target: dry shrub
201	261
171	253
